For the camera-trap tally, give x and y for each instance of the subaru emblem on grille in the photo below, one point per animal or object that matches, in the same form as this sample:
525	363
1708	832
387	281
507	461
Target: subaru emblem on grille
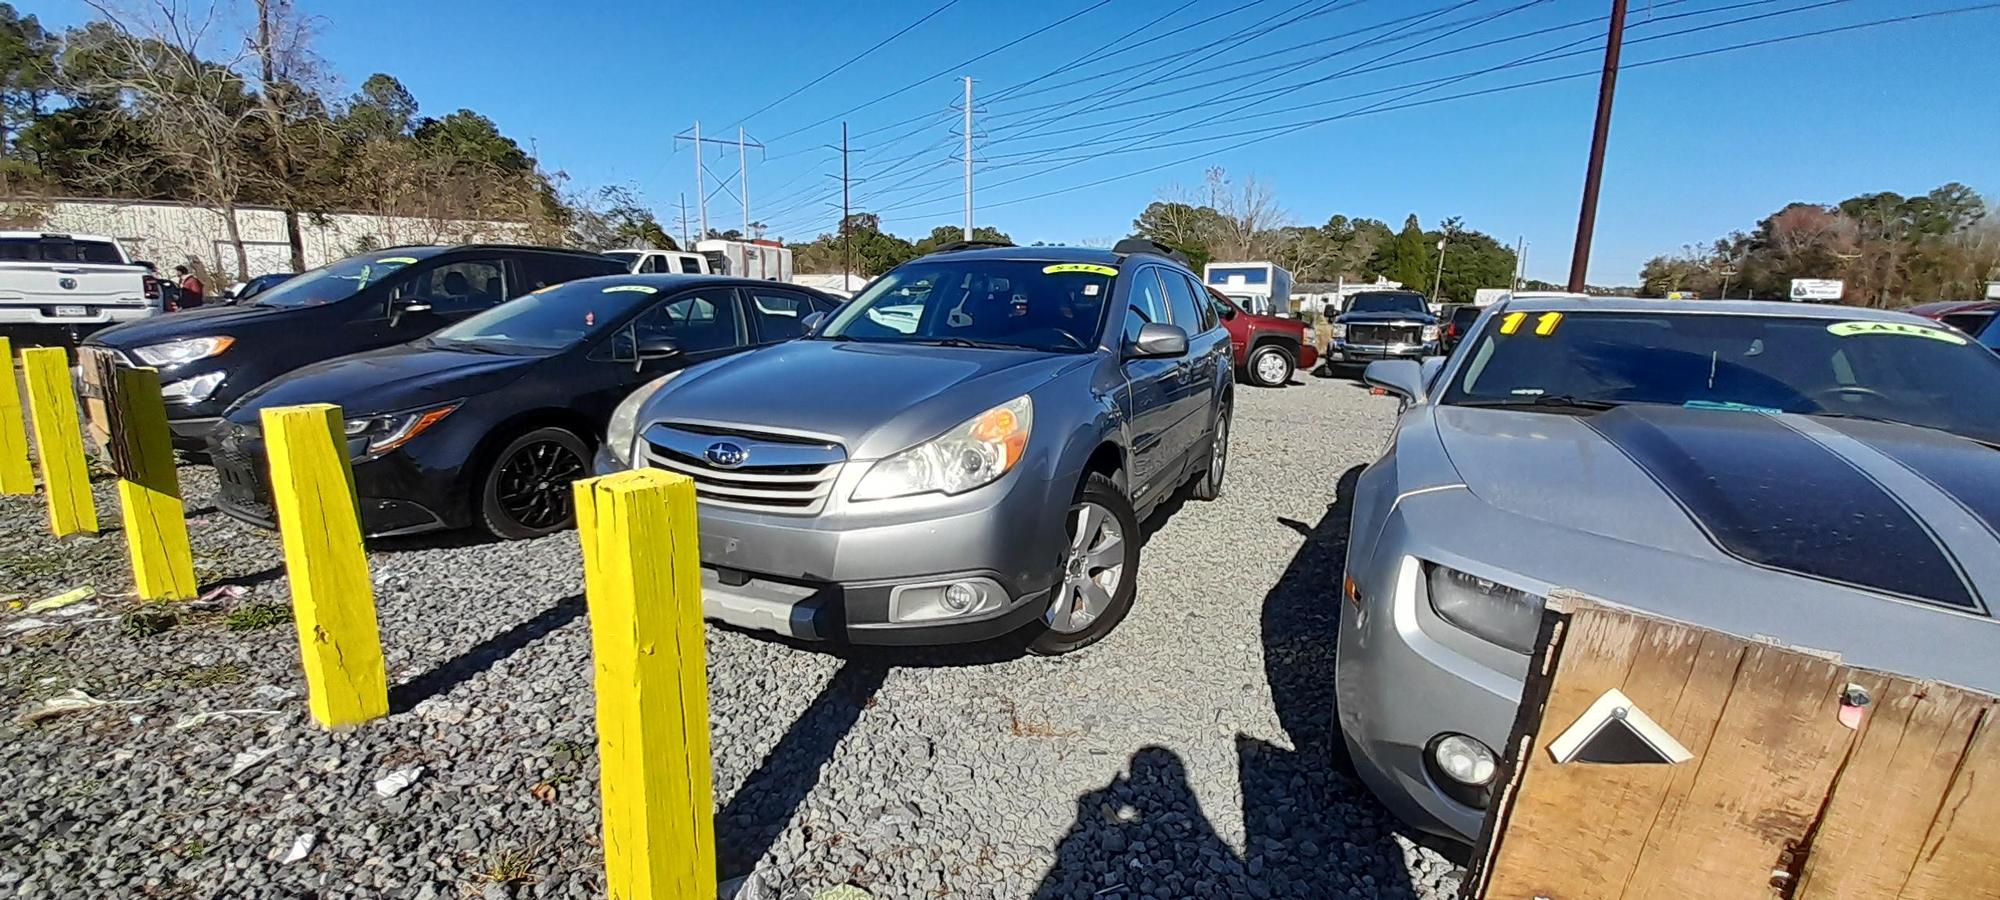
725	455
68	284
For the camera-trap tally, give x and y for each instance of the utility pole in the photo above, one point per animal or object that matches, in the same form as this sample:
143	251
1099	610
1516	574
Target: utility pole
1520	262
1586	222
684	222
968	157
1438	285
846	238
701	188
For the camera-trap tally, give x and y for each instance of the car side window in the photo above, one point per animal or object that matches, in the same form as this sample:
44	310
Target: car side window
543	270
1147	302
690	265
1204	304
466	286
780	315
699	321
1180	302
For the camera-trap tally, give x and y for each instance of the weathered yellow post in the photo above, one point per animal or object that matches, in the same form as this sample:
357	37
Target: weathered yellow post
15	475
59	441
149	490
642	575
333	601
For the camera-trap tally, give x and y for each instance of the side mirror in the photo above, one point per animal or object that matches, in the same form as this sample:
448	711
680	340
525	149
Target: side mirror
658	348
1401	377
812	321
1226	312
1431	366
1158	340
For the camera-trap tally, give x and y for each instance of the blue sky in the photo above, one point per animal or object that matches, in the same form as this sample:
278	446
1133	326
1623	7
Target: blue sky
1698	147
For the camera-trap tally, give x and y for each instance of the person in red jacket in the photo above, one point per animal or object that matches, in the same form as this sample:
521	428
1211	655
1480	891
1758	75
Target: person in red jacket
191	289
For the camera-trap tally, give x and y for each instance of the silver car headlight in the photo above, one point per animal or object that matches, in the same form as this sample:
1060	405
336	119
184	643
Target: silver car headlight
1338	330
1489	610
620	437
973	453
391	430
175	353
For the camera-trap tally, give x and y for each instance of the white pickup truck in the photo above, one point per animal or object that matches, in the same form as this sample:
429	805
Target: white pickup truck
663	261
60	286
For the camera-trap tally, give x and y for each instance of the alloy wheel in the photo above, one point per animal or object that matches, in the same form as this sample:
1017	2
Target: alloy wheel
1093	569
1271	368
533	486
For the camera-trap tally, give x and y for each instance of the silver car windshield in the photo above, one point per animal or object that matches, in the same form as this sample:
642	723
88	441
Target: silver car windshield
1915	374
1037	305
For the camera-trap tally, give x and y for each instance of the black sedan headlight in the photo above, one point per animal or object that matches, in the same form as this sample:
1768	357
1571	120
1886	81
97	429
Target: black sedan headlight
388	431
1485	608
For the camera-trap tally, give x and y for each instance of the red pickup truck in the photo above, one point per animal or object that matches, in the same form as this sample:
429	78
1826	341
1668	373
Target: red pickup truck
1266	349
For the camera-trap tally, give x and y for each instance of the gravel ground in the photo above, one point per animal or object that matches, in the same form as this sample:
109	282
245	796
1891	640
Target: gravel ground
1190	754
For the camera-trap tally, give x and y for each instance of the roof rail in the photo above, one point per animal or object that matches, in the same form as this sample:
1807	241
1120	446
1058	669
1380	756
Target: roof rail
1133	245
974	244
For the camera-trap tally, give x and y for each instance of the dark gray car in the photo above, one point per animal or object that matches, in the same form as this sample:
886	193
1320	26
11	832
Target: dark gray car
964	450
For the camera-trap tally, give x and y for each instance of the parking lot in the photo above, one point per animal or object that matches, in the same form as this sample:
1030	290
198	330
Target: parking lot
1191	753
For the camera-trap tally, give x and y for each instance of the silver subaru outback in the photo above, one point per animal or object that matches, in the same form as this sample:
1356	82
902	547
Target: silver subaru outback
963	451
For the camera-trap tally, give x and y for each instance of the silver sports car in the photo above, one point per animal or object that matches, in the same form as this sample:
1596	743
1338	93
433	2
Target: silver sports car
1820	474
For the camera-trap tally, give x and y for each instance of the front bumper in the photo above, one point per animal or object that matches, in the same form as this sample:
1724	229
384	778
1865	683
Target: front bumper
1343	352
382	487
95	315
836	576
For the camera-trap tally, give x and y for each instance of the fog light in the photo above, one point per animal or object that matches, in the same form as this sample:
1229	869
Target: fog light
1463	759
960	597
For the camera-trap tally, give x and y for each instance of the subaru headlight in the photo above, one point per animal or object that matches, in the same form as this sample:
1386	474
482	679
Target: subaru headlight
621	436
1338	330
974	453
191	390
1431	334
391	430
1489	610
176	353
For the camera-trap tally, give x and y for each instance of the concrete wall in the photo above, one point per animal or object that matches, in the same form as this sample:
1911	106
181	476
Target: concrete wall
171	234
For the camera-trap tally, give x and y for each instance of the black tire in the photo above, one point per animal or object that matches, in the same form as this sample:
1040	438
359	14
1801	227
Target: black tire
1209	485
1264	368
1102	492
525	491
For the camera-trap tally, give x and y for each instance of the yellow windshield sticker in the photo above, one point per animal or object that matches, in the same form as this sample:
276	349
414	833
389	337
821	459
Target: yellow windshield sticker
1545	324
399	260
631	289
1850	329
1086	268
1512	322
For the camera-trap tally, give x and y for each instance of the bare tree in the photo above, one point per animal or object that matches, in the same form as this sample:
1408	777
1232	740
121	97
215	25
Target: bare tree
1249	217
196	112
288	72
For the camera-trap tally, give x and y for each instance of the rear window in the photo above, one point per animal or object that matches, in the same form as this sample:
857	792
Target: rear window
1464	315
59	249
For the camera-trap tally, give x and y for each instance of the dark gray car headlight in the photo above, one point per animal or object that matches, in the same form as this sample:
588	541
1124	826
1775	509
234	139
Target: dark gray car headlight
1487	609
387	432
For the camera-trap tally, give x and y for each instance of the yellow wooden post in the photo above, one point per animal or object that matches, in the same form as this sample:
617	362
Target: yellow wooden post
15	475
149	497
642	572
59	441
333	601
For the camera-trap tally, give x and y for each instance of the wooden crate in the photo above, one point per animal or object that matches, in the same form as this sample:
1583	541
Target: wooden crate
1782	796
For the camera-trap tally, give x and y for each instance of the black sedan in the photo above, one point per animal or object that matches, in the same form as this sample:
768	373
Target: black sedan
488	421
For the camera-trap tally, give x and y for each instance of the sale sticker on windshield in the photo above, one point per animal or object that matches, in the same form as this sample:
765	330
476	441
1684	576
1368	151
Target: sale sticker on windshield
1851	329
1086	268
1545	324
631	289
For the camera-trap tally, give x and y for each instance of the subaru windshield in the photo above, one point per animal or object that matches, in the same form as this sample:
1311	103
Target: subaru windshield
1042	305
1906	372
335	282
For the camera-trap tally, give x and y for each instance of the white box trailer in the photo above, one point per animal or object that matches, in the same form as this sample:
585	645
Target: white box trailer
1263	288
767	260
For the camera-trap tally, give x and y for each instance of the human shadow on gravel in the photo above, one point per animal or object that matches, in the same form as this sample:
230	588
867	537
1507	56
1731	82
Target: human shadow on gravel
1311	829
758	812
462	668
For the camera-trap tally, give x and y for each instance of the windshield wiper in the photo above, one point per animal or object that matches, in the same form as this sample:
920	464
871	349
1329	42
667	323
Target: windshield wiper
1546	401
966	342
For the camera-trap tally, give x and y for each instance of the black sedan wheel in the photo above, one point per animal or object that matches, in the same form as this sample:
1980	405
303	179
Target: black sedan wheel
527	490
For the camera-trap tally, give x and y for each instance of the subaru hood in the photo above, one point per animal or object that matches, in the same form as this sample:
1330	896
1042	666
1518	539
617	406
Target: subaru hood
873	398
406	376
1890	509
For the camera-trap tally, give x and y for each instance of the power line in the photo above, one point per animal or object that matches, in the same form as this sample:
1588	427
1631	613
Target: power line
1092	54
850	61
949	69
1265	133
